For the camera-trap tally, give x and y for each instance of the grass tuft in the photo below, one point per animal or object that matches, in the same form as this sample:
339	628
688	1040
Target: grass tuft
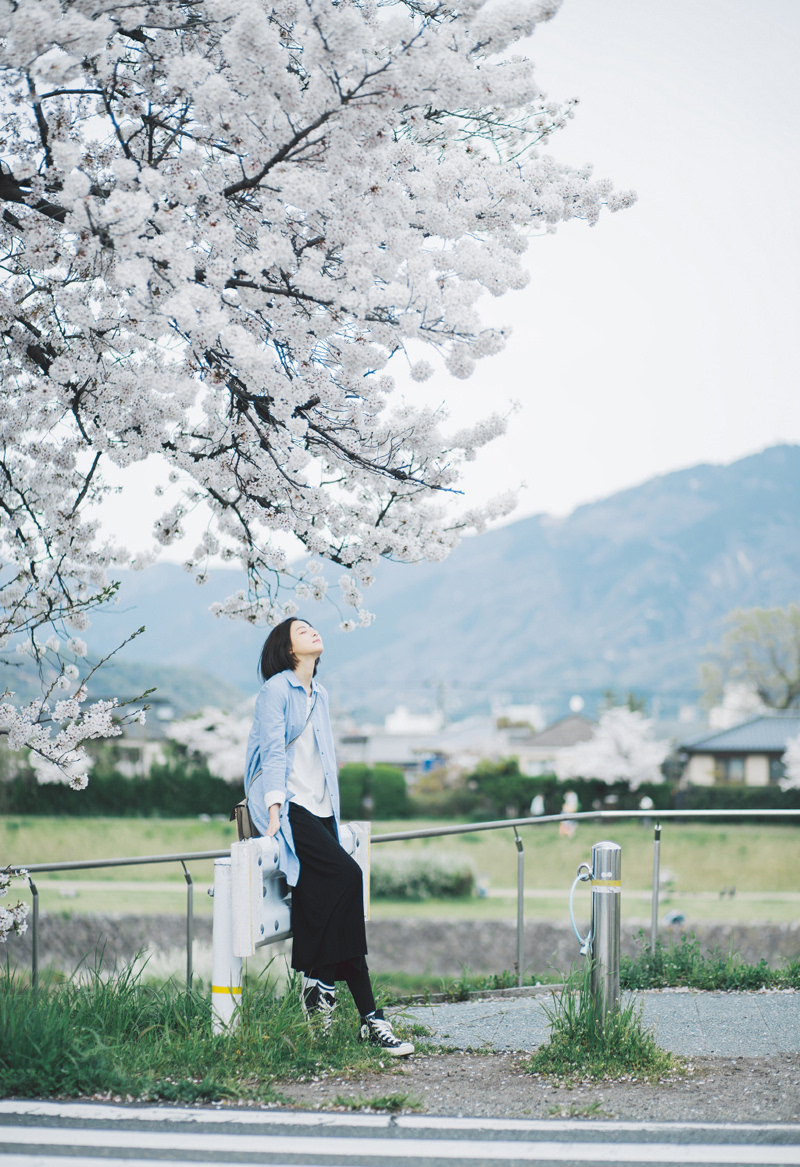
119	1036
685	964
581	1048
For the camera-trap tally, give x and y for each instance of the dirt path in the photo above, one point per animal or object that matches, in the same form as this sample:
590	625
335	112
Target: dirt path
715	1090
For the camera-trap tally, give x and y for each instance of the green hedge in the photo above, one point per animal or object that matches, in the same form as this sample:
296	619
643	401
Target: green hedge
169	791
373	793
737	798
181	788
499	790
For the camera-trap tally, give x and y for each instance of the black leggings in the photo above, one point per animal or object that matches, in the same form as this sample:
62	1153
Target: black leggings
355	975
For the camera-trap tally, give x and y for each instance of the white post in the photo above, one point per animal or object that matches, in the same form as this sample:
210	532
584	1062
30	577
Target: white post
226	969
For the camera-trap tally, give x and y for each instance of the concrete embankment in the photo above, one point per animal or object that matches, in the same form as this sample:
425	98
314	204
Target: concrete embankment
436	947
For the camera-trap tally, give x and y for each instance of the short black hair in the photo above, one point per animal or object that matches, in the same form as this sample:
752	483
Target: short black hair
277	655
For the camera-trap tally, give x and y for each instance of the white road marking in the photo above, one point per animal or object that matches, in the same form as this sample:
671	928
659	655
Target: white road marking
100	1111
417	1148
236	1116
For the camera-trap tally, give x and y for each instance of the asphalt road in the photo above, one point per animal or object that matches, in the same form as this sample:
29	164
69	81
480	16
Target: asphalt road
46	1134
685	1021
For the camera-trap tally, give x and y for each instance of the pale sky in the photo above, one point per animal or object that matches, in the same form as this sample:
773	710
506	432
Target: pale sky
668	334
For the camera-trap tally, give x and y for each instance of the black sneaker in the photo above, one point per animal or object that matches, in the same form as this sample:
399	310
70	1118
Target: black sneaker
318	1001
378	1031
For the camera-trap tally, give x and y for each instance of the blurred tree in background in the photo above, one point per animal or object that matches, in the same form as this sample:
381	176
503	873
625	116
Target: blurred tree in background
759	650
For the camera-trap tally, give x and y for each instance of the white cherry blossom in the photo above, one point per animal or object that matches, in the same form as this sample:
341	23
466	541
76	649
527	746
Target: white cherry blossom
218	737
791	760
622	748
13	917
223	224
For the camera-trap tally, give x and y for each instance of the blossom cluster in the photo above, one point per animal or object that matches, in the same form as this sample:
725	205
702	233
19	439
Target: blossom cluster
223	224
13	918
58	754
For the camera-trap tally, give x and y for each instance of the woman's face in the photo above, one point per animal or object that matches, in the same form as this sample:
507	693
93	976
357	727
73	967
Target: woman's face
306	641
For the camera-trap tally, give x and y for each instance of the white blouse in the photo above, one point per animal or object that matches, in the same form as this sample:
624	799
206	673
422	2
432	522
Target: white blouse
306	783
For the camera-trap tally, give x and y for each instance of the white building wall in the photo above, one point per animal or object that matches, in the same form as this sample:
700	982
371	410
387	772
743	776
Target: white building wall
756	770
700	771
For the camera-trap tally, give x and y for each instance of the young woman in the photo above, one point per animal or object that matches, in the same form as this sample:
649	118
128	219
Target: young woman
293	793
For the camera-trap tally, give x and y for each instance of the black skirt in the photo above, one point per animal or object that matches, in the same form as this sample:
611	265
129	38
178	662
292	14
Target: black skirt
328	901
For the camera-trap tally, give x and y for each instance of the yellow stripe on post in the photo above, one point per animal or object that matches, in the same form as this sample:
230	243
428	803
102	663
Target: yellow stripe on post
606	883
235	990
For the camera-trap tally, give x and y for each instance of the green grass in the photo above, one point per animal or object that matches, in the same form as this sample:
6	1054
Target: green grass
761	861
124	1037
686	964
581	1048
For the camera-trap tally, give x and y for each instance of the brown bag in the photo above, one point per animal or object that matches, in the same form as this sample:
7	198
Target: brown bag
245	827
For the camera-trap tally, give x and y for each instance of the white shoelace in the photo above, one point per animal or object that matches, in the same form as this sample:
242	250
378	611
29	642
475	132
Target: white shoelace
383	1029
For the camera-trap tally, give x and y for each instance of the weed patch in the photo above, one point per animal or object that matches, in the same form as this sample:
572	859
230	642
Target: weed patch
685	964
578	1110
121	1036
581	1048
394	1103
399	988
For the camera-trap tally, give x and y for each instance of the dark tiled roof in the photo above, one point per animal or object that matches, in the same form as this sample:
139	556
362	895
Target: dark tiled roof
566	732
759	735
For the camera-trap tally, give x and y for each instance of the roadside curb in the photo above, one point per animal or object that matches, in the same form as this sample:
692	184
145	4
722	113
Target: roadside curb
475	995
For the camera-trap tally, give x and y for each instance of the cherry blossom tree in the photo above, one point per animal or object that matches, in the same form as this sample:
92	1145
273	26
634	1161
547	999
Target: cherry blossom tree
621	749
223	223
740	701
219	738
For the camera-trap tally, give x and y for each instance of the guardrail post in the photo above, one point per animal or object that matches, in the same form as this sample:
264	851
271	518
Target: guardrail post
606	913
520	906
189	925
226	969
34	934
656	881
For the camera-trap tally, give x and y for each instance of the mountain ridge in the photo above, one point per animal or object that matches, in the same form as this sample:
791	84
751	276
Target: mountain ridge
623	593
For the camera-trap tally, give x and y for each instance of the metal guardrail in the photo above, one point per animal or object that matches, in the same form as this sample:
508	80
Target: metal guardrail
183	858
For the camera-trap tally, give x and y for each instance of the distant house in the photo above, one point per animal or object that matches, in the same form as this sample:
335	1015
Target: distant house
538	752
748	754
461	744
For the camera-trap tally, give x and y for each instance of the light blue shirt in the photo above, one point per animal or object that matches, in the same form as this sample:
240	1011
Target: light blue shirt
280	715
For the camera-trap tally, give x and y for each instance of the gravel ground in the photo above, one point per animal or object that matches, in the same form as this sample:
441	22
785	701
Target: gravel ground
713	1090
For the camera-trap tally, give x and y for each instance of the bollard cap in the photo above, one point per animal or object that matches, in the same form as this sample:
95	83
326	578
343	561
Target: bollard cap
606	861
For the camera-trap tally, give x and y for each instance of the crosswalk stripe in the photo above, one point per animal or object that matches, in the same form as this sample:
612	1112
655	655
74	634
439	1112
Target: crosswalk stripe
372	1149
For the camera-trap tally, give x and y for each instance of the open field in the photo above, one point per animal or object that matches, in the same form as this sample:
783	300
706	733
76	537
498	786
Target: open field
698	862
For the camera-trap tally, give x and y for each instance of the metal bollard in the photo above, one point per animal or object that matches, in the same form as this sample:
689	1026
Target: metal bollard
656	882
606	914
34	934
189	924
226	969
520	907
